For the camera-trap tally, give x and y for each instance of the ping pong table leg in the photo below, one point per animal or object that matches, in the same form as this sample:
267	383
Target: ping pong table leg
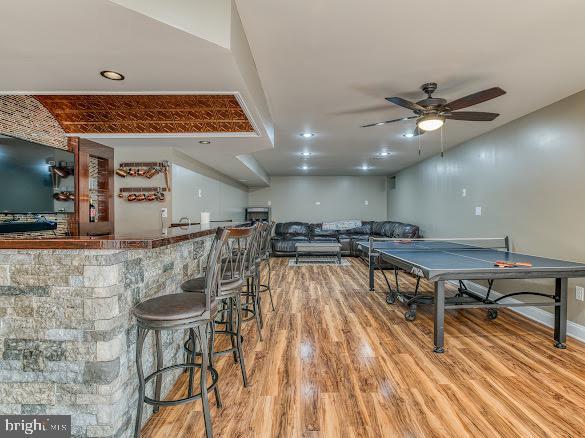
372	270
439	317
561	291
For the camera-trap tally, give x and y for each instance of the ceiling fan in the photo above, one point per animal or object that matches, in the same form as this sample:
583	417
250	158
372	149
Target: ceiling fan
431	112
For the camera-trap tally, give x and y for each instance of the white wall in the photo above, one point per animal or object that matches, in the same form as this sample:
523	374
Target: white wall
294	198
194	193
223	197
131	217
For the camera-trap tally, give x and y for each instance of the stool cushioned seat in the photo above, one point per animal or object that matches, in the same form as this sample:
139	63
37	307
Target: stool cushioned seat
198	285
172	307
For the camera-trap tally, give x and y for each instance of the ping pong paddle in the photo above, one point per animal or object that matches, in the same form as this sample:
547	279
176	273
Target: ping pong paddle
503	264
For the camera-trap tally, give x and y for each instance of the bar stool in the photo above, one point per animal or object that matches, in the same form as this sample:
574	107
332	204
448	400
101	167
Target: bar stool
251	303
233	263
182	311
265	258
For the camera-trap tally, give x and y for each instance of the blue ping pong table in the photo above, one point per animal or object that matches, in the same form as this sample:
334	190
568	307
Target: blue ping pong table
457	260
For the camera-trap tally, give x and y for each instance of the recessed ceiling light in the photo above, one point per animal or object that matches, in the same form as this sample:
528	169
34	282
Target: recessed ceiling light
384	154
112	75
204	141
305	167
408	135
307	134
305	154
365	167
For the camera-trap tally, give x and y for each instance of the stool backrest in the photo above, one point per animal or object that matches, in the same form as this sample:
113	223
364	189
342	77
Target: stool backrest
213	271
266	237
254	246
236	252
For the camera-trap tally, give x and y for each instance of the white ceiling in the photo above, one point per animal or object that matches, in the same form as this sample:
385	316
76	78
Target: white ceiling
326	66
61	46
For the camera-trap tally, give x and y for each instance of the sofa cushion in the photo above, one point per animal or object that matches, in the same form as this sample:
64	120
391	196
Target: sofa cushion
365	229
318	231
281	245
406	231
292	229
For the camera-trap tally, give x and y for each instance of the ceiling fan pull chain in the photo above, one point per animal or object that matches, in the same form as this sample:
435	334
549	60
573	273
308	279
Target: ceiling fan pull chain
442	144
419	151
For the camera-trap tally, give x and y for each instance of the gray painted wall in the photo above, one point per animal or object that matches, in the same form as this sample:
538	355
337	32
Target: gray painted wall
340	197
528	176
194	193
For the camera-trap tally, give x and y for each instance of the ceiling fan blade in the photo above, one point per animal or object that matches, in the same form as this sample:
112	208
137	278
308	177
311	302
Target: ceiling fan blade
475	98
474	116
405	103
389	121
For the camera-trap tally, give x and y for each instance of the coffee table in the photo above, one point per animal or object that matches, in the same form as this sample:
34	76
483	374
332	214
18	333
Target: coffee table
321	248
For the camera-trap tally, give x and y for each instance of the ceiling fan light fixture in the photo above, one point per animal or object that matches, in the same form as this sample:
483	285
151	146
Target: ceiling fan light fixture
430	122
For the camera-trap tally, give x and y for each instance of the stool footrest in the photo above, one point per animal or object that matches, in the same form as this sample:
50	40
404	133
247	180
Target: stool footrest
154	402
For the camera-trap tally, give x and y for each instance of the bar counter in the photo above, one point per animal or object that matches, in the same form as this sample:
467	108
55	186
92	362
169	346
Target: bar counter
67	338
142	240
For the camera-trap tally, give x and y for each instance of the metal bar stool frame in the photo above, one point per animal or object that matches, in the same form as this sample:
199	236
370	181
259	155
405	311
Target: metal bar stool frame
239	244
265	258
197	326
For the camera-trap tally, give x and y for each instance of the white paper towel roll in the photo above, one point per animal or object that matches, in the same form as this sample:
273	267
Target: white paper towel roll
204	218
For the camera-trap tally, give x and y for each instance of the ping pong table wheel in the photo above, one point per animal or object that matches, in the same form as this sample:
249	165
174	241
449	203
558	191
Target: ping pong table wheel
492	314
560	345
410	315
390	298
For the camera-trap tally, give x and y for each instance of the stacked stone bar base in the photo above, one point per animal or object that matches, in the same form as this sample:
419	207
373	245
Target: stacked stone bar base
67	339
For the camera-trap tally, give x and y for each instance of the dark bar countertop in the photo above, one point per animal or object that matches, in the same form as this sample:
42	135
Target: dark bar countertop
142	240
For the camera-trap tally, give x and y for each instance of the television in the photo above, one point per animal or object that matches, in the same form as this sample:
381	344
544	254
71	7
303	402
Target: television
35	178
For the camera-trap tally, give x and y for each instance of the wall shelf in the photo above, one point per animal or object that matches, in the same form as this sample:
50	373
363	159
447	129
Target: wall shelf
143	189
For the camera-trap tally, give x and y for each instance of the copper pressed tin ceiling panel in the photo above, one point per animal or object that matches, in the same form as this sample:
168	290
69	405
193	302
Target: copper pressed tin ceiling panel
147	114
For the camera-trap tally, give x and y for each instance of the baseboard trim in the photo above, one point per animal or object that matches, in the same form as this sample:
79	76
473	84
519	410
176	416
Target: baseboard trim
534	313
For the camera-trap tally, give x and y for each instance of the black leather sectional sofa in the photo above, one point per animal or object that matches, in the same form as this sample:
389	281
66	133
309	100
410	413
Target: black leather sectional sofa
287	234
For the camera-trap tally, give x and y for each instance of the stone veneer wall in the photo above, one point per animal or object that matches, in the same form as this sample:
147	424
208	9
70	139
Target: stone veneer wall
25	117
67	340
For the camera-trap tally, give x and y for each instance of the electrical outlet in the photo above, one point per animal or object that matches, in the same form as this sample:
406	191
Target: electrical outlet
269	203
366	202
580	293
317	203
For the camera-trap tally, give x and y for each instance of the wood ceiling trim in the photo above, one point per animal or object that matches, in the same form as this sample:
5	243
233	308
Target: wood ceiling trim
147	114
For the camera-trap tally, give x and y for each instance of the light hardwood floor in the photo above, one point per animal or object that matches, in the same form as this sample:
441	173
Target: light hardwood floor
337	361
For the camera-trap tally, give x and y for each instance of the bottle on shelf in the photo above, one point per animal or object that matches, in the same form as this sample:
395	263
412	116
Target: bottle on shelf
92	211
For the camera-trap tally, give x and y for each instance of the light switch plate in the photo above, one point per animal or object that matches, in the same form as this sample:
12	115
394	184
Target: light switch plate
478	211
579	293
317	203
269	203
366	202
199	193
163	212
463	193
